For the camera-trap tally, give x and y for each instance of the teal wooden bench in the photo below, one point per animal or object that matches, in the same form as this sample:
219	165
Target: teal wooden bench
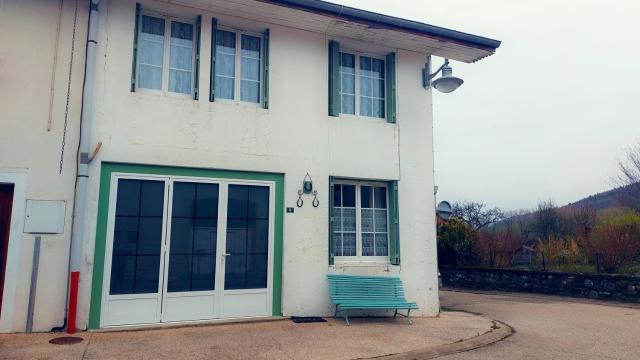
368	292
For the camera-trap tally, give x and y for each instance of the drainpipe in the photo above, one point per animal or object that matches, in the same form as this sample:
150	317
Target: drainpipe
82	175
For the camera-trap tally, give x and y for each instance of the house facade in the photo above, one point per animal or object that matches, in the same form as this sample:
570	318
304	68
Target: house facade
232	154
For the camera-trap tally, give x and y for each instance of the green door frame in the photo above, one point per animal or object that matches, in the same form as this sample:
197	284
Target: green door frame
106	172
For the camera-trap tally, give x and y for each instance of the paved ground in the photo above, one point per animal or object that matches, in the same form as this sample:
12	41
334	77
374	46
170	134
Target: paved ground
264	340
548	327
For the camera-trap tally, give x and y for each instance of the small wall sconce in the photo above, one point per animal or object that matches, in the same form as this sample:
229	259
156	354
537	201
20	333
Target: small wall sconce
307	188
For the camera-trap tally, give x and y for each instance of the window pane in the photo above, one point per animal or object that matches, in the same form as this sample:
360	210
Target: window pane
365	66
152	198
349	244
378	108
377	68
366	85
125	237
348	220
348	195
258	203
122	271
238	198
128	203
149	233
181	235
367	220
147	274
337	244
207	200
205	235
150	52
337	219
250	91
179	273
225	64
337	195
347	63
380	193
183	195
256	271
365	106
366	196
203	270
380	220
348	104
381	244
367	244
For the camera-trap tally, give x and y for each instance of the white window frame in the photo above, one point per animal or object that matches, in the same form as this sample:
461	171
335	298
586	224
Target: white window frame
357	55
237	81
166	54
359	257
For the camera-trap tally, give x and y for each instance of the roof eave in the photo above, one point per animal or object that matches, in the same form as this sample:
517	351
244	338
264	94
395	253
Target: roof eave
390	22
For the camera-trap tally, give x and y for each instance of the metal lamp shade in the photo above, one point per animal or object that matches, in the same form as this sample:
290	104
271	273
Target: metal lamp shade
447	83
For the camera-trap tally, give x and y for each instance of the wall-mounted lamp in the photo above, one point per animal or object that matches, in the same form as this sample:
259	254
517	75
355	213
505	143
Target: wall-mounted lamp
307	188
446	83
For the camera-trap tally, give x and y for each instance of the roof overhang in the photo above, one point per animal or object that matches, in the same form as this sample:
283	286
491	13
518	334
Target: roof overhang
346	22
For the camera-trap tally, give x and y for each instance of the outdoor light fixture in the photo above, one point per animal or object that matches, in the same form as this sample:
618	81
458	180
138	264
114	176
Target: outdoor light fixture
446	83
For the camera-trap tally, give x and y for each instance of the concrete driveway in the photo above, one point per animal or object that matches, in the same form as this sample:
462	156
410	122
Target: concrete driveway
548	327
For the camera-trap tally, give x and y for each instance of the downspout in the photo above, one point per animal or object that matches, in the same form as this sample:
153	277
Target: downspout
82	175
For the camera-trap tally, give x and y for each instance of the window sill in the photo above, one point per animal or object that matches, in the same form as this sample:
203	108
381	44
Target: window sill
361	263
362	117
239	103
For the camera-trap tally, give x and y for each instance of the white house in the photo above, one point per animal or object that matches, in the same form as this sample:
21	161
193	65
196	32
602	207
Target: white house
159	150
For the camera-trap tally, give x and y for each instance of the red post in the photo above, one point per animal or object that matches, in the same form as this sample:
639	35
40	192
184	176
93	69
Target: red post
73	302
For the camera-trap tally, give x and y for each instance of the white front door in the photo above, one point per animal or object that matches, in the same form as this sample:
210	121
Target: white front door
183	249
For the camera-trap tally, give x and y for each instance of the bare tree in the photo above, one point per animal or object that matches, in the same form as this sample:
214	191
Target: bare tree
629	177
546	221
477	214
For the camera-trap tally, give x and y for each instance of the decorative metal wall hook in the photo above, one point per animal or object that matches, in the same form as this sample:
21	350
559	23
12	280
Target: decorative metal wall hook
315	202
300	202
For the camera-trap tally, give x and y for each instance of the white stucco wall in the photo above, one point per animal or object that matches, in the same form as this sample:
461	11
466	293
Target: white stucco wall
294	136
27	50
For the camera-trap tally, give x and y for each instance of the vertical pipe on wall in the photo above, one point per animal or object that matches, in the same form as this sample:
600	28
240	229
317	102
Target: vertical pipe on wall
82	175
34	283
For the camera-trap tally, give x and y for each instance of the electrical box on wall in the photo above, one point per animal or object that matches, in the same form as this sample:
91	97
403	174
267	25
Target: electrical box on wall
45	216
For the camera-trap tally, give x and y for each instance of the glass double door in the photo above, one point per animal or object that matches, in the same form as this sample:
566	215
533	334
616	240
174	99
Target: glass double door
186	249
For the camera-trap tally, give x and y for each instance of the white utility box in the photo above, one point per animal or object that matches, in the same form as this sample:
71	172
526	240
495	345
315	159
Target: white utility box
45	216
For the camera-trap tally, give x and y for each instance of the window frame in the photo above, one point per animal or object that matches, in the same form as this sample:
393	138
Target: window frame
359	258
357	55
237	81
166	54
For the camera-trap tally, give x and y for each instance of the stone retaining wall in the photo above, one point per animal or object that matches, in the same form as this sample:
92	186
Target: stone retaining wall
595	286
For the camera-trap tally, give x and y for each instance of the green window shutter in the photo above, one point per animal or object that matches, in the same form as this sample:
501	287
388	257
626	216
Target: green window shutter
134	64
330	202
196	72
391	87
334	78
394	226
265	70
212	75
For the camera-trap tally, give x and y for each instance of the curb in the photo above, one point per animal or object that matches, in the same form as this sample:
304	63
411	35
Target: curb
499	332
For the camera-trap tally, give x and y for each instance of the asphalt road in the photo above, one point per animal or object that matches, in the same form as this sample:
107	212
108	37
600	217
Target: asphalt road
549	327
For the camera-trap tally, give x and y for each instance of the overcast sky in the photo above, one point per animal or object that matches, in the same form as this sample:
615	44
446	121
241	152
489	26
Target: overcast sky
549	115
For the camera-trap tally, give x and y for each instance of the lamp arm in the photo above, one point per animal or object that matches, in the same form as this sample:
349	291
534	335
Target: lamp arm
446	62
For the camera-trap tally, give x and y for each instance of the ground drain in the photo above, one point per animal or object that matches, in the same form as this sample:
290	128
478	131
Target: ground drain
65	340
307	319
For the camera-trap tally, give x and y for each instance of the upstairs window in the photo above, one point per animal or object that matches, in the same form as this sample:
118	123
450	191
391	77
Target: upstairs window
361	84
362	87
238	66
165	54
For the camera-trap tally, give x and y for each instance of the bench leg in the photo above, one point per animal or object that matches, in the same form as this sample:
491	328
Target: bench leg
335	314
346	317
395	314
409	316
